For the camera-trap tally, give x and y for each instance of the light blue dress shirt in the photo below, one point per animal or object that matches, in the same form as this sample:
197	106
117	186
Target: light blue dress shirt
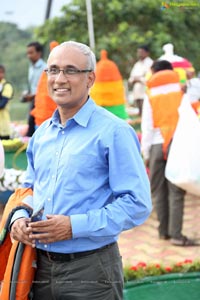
34	74
92	171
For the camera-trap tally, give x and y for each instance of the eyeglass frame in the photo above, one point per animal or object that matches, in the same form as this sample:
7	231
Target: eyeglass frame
73	71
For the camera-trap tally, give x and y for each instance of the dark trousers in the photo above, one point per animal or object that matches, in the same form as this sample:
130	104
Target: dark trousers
139	104
168	198
31	120
98	276
31	126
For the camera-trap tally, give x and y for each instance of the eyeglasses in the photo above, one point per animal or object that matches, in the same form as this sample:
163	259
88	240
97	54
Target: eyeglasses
67	71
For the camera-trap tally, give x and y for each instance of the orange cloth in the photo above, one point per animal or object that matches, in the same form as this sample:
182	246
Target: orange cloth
108	89
105	93
44	105
165	105
8	252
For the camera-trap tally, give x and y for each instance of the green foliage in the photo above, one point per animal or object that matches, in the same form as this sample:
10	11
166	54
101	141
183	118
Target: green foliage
13	54
13	57
120	26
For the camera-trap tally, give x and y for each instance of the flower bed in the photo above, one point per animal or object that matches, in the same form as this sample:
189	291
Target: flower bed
142	269
179	281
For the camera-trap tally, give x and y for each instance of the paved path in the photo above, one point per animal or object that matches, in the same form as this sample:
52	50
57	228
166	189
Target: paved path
142	243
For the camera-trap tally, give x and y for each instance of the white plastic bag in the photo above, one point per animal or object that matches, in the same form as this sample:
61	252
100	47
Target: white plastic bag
183	164
2	159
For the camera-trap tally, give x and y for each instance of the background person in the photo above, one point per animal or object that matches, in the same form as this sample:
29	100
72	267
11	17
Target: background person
89	184
6	93
36	67
159	120
138	75
44	104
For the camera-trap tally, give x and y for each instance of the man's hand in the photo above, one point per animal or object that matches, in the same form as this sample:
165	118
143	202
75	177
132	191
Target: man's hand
19	231
55	228
27	98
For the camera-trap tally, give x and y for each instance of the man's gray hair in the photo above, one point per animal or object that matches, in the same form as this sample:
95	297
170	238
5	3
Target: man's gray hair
85	50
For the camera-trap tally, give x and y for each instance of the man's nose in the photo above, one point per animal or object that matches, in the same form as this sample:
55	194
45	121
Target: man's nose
61	75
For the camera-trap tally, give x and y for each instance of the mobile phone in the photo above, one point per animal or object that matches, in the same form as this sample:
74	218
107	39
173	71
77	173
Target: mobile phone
37	216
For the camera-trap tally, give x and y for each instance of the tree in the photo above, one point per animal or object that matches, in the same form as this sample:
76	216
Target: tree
13	53
120	26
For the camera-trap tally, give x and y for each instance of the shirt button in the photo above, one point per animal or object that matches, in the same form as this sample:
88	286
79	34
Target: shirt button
56	153
45	246
49	199
63	132
53	176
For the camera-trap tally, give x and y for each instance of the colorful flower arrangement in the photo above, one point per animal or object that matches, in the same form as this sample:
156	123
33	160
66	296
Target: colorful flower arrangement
142	270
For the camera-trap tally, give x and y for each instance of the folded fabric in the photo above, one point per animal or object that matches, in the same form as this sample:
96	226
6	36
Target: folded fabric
18	261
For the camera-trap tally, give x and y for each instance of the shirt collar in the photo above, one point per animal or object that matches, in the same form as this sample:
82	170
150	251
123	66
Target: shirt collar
81	117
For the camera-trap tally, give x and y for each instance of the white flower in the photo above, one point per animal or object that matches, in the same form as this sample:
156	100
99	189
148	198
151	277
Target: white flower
11	179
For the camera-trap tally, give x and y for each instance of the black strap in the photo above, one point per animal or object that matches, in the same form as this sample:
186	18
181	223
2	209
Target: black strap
15	270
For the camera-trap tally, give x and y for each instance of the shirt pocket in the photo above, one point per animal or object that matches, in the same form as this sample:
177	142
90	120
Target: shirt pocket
81	172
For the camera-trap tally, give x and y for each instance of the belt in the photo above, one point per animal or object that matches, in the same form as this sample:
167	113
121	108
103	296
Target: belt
63	257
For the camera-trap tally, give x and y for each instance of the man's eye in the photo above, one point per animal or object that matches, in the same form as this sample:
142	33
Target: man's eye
70	71
53	71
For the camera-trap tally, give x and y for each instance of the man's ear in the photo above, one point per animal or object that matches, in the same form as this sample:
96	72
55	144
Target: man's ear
91	79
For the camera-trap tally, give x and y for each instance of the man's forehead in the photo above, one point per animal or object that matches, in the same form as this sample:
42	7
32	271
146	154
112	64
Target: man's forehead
65	49
67	54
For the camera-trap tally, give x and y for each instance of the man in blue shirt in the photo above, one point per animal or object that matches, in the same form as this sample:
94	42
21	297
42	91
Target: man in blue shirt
36	67
89	184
